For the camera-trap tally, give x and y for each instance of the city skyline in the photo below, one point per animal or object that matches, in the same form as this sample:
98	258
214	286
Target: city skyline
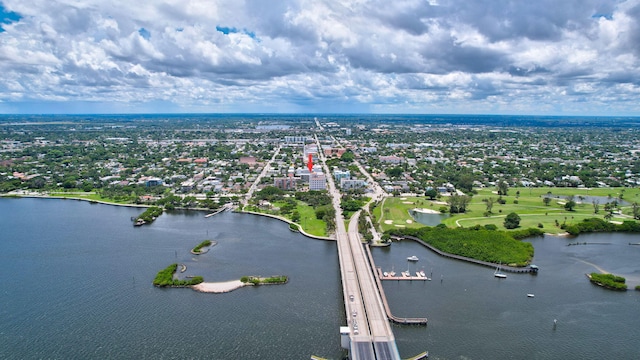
404	57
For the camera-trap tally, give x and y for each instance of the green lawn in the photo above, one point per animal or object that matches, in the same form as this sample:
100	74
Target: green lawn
87	196
309	222
394	213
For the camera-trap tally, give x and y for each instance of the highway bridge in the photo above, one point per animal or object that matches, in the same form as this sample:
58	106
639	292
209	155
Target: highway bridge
370	333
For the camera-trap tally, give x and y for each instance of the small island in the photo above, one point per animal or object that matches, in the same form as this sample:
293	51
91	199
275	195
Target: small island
200	248
227	286
165	278
608	281
254	280
148	216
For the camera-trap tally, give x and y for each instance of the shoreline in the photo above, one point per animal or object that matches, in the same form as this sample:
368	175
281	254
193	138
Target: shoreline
43	196
218	287
103	202
426	211
301	231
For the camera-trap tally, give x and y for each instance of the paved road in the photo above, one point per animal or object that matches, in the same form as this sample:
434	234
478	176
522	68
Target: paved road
370	332
255	184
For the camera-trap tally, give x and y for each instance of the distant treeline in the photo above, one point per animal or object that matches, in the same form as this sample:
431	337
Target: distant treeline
598	225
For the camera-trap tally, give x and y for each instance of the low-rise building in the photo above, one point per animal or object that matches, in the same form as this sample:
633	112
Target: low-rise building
350	184
285	183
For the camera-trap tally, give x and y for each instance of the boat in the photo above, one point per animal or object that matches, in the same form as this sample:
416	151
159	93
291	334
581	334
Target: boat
530	295
392	273
413	258
385	274
498	274
406	274
421	274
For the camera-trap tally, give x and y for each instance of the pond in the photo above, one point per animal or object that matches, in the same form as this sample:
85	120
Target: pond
428	218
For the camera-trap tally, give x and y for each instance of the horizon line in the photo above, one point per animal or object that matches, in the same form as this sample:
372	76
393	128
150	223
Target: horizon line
314	114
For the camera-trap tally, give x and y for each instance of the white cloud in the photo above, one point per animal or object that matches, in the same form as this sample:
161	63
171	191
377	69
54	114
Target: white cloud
448	56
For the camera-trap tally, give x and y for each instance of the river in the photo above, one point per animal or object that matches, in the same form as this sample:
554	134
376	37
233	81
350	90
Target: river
76	283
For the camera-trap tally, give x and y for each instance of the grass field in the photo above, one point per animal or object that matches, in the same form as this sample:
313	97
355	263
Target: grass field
394	212
309	222
87	196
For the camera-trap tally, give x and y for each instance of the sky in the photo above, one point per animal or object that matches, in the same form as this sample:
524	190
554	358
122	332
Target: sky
542	57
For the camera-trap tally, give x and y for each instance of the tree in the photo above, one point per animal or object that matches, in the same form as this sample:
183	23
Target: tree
636	210
431	194
569	205
512	221
546	200
503	188
295	216
489	203
608	216
596	206
394	172
458	203
347	156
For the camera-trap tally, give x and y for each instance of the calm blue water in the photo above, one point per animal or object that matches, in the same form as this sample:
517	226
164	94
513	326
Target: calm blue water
76	283
473	315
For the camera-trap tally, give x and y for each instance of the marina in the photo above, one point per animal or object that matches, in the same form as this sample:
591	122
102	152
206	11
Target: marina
409	277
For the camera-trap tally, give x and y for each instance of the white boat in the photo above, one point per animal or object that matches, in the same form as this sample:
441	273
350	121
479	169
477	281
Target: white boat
498	274
530	295
406	274
385	274
413	258
392	273
422	274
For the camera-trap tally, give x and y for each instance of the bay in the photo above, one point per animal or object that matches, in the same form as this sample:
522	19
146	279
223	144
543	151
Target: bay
76	283
473	315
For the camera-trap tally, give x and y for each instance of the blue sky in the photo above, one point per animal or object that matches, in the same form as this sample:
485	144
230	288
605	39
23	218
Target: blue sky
569	57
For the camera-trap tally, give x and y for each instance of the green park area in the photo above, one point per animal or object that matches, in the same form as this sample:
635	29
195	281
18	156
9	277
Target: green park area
90	196
488	208
302	214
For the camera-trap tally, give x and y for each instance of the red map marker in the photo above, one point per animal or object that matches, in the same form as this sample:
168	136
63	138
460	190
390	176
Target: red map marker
310	163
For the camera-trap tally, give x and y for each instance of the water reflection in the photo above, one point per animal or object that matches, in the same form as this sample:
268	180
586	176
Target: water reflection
428	218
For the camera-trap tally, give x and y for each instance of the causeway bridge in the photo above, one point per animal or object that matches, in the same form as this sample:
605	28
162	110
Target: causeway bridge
369	331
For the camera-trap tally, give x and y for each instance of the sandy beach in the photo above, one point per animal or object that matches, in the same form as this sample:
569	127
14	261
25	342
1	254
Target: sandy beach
218	287
426	211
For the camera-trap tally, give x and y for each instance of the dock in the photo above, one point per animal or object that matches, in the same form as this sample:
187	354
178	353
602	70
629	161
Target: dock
421	356
385	304
412	278
224	207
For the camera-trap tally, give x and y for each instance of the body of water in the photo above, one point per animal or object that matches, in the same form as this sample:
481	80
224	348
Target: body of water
473	315
428	219
77	284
